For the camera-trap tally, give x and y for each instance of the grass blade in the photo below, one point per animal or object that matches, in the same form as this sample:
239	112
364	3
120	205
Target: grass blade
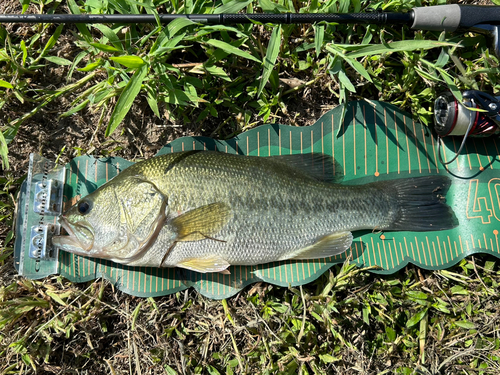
58	60
4	150
104	47
110	35
217	72
126	99
25	4
344	79
416	318
269	6
451	85
232	7
355	64
5	84
406	45
132	62
319	32
177	25
271	55
52	41
228	48
84	31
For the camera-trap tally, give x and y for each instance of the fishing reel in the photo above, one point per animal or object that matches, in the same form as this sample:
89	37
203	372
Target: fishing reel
477	116
455	118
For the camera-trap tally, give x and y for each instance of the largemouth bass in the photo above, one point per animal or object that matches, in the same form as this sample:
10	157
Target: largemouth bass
205	211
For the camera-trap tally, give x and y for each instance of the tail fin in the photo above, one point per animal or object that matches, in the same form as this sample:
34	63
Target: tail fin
421	204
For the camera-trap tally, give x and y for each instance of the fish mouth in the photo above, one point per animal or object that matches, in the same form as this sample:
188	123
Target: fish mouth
80	245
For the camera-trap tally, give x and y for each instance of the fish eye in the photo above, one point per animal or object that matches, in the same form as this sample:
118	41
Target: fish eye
83	207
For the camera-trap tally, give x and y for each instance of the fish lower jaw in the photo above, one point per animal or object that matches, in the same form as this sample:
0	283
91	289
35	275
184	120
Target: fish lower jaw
69	244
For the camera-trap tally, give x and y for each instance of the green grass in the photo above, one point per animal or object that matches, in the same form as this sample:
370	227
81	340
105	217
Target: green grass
116	83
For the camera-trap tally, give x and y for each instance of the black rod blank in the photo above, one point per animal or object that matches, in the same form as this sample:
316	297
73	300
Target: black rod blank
450	17
224	19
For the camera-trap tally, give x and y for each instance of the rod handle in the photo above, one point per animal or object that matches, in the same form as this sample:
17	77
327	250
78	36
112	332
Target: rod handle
452	17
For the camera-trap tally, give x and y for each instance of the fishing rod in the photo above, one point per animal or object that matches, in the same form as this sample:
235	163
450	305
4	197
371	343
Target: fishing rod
453	17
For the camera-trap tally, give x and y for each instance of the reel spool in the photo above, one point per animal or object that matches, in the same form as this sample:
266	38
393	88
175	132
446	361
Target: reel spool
453	118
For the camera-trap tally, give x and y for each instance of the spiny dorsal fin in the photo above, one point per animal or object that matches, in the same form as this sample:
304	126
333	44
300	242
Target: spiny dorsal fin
316	165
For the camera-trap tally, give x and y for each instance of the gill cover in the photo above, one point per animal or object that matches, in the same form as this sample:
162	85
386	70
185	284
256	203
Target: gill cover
142	215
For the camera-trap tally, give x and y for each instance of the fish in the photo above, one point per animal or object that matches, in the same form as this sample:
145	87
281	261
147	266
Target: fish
205	211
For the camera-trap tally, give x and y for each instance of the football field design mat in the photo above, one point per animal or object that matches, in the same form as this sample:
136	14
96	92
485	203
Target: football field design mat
374	141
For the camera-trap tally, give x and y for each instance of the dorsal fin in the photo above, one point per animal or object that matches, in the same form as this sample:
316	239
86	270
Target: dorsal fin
316	165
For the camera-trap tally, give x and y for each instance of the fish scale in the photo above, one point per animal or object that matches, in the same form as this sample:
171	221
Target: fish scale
223	209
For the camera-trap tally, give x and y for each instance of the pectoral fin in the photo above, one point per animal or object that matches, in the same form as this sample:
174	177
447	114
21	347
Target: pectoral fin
202	222
327	246
211	263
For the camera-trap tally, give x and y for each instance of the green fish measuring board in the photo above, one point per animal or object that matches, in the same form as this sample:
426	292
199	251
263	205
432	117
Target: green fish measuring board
375	141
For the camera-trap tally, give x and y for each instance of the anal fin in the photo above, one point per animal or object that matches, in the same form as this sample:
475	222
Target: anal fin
327	246
211	263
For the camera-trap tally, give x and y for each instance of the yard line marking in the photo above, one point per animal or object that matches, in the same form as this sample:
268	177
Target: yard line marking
418	252
322	139
312	143
376	142
487	154
258	143
407	145
434	152
468	157
455	150
366	152
354	137
449	243
430	254
397	140
269	142
380	255
386	141
477	154
343	143
279	139
390	252
425	147
412	251
416	146
78	168
396	249
363	253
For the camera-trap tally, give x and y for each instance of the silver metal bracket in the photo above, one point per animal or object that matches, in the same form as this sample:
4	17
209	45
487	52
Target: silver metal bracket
41	241
48	197
40	204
